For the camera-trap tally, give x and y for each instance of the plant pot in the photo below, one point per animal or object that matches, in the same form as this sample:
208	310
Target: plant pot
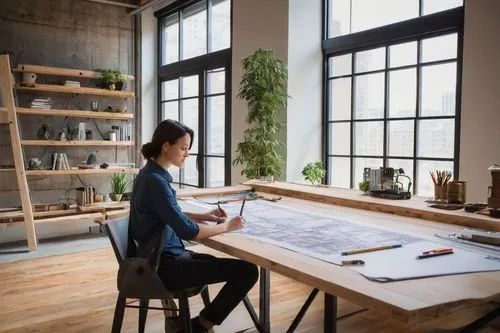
120	85
116	197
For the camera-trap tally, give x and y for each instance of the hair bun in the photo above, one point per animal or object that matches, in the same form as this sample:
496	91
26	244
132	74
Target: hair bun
147	151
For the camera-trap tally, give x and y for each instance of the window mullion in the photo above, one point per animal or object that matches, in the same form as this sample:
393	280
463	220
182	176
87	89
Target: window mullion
353	97
209	26
417	116
386	108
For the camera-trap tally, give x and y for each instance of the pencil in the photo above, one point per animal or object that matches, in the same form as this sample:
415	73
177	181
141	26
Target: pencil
371	249
220	210
243	205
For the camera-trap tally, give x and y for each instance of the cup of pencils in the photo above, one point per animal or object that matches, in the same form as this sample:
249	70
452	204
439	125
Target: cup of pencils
440	180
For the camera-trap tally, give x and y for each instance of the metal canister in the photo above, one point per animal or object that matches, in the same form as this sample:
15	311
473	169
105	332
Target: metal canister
456	192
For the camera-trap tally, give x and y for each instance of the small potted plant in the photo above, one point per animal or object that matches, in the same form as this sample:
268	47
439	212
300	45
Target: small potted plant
119	184
364	186
119	80
45	131
108	79
314	172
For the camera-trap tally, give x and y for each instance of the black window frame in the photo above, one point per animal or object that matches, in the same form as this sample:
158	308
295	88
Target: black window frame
198	66
432	25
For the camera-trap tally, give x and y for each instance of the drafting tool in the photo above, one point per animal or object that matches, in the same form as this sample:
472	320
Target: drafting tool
242	206
371	249
430	255
353	262
443	249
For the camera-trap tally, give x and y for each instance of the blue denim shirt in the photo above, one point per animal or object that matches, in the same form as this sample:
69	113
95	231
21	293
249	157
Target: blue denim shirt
154	202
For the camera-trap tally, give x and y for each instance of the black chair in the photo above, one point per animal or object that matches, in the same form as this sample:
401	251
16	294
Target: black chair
138	279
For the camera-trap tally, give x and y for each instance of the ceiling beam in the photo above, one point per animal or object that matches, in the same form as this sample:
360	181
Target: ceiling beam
115	3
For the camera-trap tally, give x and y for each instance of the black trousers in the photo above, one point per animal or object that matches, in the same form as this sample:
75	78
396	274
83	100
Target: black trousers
191	269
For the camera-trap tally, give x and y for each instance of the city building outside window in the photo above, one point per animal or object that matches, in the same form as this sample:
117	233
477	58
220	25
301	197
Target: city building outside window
392	88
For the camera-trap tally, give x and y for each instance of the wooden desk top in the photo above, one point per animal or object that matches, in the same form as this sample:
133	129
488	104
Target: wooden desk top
410	301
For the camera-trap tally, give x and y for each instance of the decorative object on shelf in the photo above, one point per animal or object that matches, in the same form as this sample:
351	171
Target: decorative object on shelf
45	131
91	159
119	184
62	135
314	172
264	88
112	136
89	135
104	166
71	132
34	163
94	105
81	131
29	79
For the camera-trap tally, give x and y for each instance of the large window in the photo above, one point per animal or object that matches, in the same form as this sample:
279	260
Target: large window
392	91
194	75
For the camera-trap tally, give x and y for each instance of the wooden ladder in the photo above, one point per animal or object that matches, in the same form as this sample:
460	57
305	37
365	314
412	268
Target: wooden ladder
8	114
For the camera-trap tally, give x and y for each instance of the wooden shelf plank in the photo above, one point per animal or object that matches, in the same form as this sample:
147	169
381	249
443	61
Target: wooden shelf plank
77	90
62	71
75	113
80	171
75	143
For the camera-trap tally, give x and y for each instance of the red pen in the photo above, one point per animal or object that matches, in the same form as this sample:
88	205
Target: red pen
445	249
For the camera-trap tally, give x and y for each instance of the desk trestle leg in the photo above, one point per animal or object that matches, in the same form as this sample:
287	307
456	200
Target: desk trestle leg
330	316
264	302
302	311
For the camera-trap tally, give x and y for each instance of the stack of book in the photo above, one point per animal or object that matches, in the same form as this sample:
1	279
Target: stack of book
41	103
123	132
72	84
60	162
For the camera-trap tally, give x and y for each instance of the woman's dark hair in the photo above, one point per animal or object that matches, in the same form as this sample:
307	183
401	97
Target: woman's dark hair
167	131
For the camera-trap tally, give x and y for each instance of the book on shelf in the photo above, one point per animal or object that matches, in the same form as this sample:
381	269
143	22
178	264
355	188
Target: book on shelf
60	162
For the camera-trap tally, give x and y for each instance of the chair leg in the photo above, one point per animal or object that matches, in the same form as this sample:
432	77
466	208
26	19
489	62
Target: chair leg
118	317
205	296
143	313
184	313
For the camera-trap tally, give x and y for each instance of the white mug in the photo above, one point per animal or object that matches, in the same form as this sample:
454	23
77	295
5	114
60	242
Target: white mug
112	136
29	78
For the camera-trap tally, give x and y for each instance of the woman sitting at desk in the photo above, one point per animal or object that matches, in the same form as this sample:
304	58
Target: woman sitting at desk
154	203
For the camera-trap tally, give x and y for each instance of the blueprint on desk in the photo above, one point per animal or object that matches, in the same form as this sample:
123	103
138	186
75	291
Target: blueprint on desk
325	236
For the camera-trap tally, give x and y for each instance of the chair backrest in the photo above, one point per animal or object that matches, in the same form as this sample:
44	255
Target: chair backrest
118	235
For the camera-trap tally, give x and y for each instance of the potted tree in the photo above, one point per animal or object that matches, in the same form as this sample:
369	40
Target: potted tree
119	184
314	172
264	88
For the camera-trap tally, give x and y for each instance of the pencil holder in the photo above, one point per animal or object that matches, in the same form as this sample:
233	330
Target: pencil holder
440	192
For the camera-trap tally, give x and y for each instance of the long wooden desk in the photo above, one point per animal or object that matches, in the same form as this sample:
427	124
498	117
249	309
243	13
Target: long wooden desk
410	301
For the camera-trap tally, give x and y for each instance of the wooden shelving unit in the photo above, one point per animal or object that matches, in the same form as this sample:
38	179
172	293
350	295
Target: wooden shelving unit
61	71
9	113
75	113
75	143
76	90
80	172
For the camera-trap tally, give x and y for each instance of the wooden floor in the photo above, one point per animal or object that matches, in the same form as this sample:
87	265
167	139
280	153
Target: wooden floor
77	293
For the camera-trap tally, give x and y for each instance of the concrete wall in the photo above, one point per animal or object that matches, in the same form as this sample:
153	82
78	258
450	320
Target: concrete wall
72	34
480	134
